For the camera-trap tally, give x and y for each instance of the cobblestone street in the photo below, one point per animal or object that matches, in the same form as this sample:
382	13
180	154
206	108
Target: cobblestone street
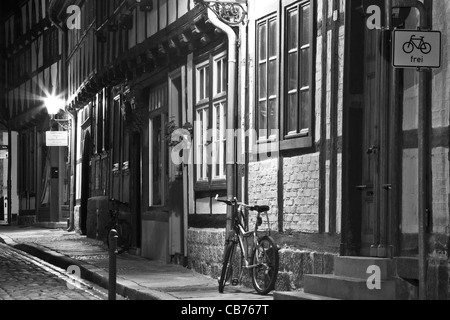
24	277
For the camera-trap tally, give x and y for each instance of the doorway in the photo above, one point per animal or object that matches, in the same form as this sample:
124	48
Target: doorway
371	149
85	182
369	226
135	196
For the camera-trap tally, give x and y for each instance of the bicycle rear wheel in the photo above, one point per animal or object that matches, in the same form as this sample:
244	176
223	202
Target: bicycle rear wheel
266	259
227	268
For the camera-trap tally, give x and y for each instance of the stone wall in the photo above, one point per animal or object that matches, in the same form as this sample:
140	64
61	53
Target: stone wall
205	251
205	254
294	264
262	188
301	193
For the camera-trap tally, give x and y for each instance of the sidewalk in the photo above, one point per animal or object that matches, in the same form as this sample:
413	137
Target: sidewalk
137	278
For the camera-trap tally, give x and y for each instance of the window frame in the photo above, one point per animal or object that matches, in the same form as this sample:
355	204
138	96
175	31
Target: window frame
293	141
299	140
216	96
267	19
158	101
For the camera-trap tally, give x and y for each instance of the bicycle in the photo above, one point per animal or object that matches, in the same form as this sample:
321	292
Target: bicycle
121	225
264	262
418	43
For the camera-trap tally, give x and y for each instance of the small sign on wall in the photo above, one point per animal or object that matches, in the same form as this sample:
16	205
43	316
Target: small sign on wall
4	152
57	139
416	49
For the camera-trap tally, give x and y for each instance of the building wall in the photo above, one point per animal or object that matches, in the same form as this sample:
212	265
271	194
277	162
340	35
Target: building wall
33	71
289	181
440	161
298	176
439	120
205	253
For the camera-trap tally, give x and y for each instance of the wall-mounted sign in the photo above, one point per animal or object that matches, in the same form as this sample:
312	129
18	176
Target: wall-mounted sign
416	49
57	139
4	152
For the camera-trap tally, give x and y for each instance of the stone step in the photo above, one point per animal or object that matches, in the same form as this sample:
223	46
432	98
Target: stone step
347	288
299	295
52	225
358	267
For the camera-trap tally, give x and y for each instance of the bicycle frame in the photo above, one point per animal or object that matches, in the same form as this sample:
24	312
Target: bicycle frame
264	263
241	234
414	40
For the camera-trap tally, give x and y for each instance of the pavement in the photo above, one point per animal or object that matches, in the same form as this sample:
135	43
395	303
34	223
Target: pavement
137	278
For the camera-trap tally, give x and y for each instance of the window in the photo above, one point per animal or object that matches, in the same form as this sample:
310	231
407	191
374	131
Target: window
298	71
267	77
159	151
27	165
210	119
116	131
284	75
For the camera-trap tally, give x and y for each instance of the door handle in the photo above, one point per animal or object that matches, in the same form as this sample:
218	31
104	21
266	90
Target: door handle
364	187
372	150
387	187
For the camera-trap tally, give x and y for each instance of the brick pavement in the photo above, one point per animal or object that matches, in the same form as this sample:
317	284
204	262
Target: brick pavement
27	278
137	279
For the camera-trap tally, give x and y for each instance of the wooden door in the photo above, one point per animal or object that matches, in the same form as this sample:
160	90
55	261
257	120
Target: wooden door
371	149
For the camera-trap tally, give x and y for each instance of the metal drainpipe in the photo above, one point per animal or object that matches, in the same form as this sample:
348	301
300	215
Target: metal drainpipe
72	117
230	143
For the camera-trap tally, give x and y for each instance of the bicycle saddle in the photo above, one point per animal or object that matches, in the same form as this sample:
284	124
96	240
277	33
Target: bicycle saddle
261	209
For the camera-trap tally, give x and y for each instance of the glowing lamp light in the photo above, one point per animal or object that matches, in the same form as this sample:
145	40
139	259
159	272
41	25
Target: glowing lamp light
54	105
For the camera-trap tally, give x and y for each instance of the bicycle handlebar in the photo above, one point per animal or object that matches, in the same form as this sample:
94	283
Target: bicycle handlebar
235	202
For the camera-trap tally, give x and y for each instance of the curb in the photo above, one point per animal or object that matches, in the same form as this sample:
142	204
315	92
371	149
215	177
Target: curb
91	273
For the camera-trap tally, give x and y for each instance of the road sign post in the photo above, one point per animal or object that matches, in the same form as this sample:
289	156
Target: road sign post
416	49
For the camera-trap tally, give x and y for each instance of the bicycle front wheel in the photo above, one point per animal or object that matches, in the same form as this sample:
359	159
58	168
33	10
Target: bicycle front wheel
425	48
266	261
227	268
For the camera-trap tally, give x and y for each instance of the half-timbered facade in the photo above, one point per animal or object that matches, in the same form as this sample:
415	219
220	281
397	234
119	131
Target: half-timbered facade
297	107
137	72
32	56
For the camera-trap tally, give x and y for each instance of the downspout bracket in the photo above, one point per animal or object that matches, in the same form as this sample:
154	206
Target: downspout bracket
233	13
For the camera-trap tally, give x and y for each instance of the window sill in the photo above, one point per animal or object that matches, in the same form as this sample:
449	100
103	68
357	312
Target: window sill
214	185
265	146
297	142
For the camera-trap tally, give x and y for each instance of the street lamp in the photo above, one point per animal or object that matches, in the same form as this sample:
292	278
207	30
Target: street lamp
55	105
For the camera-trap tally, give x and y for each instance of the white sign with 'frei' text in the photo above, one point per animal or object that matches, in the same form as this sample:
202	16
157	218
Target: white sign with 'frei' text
417	49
